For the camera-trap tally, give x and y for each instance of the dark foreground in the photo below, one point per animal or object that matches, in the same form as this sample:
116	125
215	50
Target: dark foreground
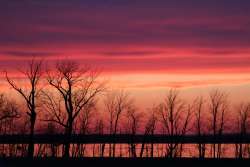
120	162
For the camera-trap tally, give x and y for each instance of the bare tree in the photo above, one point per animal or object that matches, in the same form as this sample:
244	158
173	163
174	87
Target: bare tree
243	113
78	88
133	123
83	121
8	109
150	130
175	120
116	103
33	74
8	115
218	110
199	124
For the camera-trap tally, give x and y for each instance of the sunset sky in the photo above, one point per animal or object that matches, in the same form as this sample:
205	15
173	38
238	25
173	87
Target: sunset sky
145	46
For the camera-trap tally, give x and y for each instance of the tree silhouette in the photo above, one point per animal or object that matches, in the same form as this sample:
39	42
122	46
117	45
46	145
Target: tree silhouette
133	124
242	124
8	109
9	113
78	87
33	73
218	110
175	120
150	130
83	121
116	103
199	123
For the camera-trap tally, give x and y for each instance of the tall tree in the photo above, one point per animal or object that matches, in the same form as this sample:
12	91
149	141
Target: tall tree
175	120
9	114
78	88
133	124
116	104
218	110
242	125
199	123
33	74
149	129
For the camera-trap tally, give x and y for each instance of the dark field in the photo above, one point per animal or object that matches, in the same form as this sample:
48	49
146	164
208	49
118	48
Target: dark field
120	162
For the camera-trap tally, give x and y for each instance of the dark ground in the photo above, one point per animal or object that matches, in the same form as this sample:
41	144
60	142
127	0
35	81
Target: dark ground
120	162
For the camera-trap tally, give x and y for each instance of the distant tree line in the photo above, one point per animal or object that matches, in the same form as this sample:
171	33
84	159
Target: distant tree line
64	100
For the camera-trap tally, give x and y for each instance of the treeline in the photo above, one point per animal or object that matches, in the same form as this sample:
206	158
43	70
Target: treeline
64	101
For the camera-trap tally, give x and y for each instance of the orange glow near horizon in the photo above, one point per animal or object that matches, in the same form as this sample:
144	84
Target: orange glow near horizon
149	88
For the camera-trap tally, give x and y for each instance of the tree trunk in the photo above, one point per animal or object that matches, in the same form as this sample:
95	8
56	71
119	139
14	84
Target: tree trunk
68	134
32	127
